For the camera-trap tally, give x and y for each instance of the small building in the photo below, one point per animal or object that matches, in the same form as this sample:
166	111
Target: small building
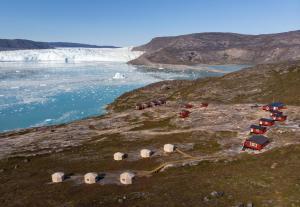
139	107
266	122
91	178
274	106
278	117
256	142
119	156
154	103
162	100
256	129
126	178
169	148
144	105
184	113
145	153
273	113
188	106
204	105
58	177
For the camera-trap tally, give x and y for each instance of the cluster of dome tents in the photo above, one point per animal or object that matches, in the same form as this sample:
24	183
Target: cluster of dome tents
126	178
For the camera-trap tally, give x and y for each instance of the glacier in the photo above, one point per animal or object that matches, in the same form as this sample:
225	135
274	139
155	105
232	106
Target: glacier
71	55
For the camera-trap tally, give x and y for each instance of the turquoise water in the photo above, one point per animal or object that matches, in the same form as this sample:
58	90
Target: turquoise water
33	94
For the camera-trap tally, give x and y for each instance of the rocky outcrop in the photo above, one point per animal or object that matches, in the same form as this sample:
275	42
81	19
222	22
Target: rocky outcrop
220	48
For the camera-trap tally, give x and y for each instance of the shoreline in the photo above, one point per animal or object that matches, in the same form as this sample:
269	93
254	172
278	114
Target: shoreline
199	67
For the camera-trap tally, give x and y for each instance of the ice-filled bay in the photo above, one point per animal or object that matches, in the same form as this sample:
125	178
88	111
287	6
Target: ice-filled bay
36	94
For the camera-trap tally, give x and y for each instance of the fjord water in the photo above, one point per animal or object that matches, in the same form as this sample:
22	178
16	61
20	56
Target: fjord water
37	94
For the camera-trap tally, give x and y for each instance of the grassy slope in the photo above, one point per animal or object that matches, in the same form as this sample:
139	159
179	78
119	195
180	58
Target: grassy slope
249	178
261	84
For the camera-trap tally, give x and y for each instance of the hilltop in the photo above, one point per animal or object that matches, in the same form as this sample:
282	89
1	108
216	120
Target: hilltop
22	44
220	48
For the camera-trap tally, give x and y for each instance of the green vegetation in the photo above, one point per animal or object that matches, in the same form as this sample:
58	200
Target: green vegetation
249	178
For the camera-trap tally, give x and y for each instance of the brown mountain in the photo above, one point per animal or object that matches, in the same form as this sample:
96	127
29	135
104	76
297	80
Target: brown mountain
220	48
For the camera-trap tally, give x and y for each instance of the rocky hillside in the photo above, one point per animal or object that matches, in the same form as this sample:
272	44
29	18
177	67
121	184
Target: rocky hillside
220	48
21	44
262	83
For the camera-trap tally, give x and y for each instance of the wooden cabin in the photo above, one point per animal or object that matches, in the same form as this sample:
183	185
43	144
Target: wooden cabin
204	105
162	100
278	117
266	122
139	107
273	113
145	105
188	106
256	142
275	106
184	113
256	129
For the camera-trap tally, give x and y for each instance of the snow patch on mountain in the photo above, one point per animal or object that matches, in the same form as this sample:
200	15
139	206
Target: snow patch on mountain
70	55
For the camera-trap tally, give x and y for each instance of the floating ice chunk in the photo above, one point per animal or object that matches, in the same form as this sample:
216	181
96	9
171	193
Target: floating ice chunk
119	76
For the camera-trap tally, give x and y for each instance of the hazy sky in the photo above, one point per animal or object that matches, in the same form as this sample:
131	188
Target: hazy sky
133	22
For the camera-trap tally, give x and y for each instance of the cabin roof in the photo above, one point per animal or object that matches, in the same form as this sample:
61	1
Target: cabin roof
267	120
257	127
276	112
277	104
258	139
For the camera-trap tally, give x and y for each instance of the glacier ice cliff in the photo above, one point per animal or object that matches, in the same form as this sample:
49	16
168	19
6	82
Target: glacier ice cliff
67	55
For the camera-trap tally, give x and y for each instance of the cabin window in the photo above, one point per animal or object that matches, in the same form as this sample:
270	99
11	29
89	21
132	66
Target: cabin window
253	144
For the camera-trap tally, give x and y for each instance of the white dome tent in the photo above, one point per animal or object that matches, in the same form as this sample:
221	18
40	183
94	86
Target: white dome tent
126	178
90	178
169	148
58	177
145	153
119	156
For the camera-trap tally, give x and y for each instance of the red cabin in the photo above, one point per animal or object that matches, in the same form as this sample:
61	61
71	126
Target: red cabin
274	106
188	106
273	113
266	122
184	113
279	117
256	142
204	105
256	129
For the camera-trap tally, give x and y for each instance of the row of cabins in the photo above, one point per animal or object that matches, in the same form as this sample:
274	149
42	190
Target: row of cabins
153	103
258	141
126	178
184	113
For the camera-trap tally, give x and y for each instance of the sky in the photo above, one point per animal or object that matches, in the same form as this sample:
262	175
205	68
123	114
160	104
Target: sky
135	22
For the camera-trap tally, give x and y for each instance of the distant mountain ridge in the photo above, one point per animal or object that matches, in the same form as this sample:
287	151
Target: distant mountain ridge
22	44
220	48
